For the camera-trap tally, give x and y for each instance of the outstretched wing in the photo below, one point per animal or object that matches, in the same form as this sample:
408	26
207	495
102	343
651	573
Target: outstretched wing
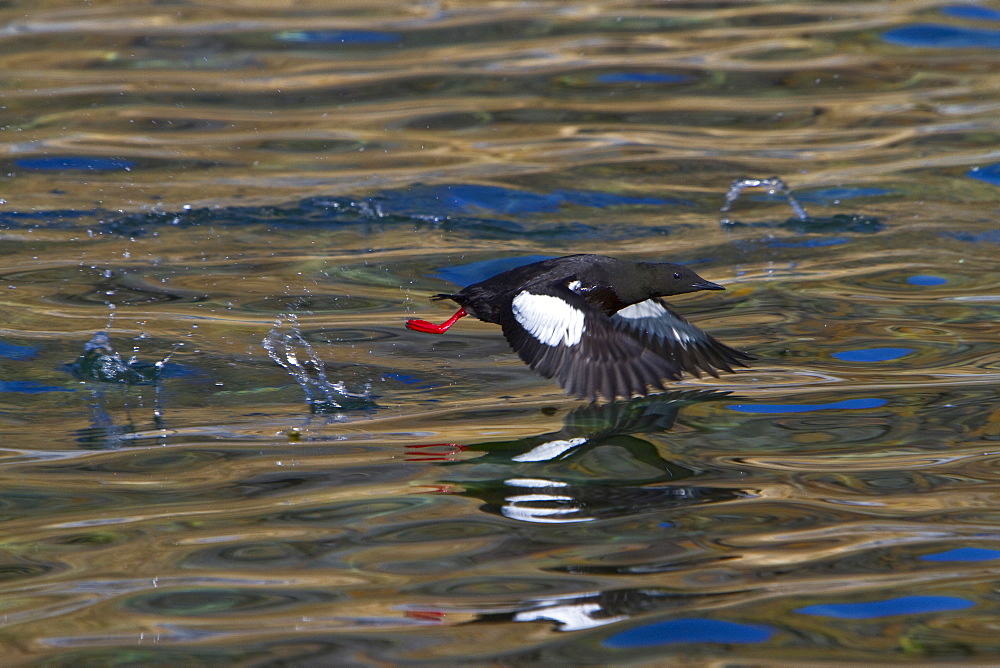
675	339
561	336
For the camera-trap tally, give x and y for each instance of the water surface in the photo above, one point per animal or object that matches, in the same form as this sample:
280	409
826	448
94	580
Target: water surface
256	463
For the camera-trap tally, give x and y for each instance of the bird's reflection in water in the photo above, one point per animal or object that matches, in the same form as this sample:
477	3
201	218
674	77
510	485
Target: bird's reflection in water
597	466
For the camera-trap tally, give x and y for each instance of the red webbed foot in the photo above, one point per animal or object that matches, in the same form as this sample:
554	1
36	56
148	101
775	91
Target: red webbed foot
430	328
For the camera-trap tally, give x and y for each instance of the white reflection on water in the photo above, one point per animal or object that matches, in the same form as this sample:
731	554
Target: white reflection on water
365	155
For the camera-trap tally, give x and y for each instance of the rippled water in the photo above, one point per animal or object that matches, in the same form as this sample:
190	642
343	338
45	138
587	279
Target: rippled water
220	444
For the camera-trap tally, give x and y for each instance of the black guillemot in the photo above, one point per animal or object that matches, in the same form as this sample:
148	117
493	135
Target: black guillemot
596	324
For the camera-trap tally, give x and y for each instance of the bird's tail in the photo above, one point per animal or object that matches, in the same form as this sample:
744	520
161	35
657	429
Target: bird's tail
441	295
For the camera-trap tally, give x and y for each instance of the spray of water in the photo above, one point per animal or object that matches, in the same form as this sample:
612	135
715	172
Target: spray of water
290	350
100	361
773	185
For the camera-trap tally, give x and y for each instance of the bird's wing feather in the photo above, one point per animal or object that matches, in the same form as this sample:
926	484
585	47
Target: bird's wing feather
672	337
561	336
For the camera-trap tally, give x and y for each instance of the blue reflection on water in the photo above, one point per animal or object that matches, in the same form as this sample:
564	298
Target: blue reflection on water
873	354
943	37
642	77
468	198
989	173
90	163
926	279
15	352
473	272
905	605
824	196
974	12
963	554
987	237
695	629
467	274
828	196
339	36
599	199
847	404
29	387
407	379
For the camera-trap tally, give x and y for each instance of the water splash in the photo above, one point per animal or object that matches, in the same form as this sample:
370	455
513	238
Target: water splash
773	185
308	370
801	222
101	362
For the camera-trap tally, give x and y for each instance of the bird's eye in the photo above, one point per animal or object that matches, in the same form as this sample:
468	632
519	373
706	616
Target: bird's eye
677	275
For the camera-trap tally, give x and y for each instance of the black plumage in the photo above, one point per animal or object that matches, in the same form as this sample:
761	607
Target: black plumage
597	324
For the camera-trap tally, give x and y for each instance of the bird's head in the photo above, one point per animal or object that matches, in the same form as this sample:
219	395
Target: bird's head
676	279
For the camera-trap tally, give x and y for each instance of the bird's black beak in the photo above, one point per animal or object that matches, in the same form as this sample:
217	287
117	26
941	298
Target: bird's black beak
706	285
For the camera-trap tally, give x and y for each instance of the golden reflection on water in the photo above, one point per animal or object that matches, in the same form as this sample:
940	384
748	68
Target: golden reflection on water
272	105
475	514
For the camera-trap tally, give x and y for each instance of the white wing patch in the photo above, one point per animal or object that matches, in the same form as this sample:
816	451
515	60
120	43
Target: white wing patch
651	317
549	319
646	309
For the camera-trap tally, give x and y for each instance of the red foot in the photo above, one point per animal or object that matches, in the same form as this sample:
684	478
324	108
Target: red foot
443	453
431	328
437	489
426	615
